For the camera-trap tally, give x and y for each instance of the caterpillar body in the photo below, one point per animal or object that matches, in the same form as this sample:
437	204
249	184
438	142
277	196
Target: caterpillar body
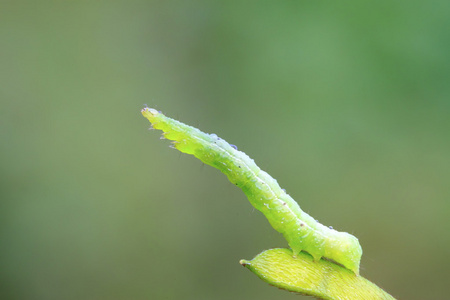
301	231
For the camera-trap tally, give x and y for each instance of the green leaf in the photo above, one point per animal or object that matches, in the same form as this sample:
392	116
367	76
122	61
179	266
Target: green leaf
322	279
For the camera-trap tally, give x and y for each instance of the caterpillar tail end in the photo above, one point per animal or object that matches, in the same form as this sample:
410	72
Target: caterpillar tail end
355	269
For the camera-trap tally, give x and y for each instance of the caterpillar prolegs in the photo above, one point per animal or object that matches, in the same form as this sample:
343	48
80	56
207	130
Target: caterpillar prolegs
301	231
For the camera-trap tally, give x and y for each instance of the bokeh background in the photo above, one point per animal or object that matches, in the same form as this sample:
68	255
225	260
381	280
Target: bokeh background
346	104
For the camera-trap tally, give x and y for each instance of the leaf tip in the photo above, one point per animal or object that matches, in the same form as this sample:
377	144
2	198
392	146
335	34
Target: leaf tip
244	263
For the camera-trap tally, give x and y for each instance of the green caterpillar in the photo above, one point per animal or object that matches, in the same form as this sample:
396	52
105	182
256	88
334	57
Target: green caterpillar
300	230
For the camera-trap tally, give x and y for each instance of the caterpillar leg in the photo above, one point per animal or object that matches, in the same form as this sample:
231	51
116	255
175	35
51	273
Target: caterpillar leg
295	250
316	257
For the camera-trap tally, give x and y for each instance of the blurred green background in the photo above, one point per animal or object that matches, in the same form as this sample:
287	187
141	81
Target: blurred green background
346	104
